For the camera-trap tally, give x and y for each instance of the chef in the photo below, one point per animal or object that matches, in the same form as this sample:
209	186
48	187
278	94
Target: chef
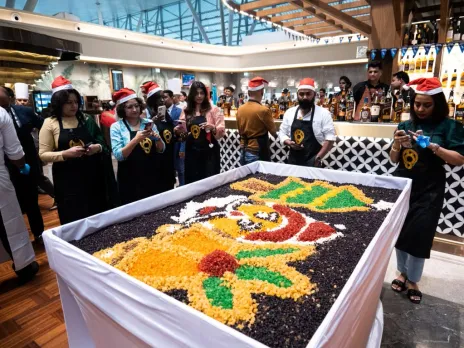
307	129
14	236
22	94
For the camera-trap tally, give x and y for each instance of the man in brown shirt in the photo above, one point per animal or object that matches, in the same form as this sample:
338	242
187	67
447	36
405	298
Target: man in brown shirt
254	122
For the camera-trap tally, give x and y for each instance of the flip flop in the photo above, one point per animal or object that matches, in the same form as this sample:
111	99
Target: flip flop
414	293
399	283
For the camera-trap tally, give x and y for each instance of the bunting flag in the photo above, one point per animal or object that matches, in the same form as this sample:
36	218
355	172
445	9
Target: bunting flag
326	41
427	49
359	37
415	49
403	51
450	47
350	38
438	47
393	52
341	39
317	40
383	53
373	54
461	45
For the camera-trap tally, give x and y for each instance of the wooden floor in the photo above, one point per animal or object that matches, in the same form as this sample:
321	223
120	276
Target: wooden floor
31	314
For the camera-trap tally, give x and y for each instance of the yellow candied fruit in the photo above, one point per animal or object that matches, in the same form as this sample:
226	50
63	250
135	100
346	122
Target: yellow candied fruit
197	240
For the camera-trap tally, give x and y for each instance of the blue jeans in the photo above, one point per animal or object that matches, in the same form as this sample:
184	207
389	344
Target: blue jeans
409	265
179	165
248	158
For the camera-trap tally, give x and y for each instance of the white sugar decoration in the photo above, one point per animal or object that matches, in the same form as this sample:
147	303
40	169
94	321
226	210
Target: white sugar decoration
382	205
107	254
340	227
172	229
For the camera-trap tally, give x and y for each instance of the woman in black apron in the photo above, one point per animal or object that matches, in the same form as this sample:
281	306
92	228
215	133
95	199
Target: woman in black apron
81	175
425	167
165	175
205	125
135	142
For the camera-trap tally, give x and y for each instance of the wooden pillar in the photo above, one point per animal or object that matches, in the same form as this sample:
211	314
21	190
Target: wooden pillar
388	22
442	28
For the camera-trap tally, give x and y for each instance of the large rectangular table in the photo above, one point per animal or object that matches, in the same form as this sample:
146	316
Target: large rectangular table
106	307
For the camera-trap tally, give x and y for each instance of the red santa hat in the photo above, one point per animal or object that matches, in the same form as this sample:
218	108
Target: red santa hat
123	95
257	83
144	88
307	83
427	86
152	89
60	84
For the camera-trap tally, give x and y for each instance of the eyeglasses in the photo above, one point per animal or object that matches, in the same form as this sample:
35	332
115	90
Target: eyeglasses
133	106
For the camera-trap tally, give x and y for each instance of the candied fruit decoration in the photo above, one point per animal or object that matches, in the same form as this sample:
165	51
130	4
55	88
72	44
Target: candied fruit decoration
315	231
207	210
217	263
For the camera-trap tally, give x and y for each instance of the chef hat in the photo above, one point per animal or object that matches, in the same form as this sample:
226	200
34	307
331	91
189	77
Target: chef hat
174	85
60	84
257	83
152	89
21	90
146	86
307	83
123	95
427	86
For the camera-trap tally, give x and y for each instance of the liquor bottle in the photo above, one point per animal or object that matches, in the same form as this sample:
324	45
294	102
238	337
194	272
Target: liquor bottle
430	63
424	64
350	107
398	110
386	112
454	78
412	66
375	109
406	114
325	104
419	36
413	35
435	31
275	110
444	80
233	109
365	114
427	34
418	64
406	37
334	108
461	29
226	109
449	32
342	107
451	104
456	34
406	64
460	110
383	99
461	81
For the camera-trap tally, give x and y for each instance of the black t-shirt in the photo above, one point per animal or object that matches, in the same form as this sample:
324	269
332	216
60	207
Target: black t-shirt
358	90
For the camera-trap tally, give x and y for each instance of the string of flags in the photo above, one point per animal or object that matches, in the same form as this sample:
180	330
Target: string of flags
393	51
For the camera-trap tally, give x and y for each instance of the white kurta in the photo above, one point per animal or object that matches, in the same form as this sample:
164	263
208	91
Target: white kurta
16	230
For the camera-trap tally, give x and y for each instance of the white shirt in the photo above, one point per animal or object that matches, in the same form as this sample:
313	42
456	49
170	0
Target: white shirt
323	126
9	142
181	105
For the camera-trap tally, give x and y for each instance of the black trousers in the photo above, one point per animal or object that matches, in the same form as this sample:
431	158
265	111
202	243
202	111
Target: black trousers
45	184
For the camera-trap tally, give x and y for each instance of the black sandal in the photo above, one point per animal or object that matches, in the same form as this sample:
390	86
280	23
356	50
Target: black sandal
414	293
399	283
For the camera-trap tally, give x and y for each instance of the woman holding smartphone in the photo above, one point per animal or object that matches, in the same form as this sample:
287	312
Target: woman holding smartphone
165	176
82	172
204	124
136	143
421	147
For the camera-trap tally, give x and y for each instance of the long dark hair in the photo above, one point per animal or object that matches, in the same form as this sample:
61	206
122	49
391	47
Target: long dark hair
191	103
347	81
121	111
440	109
60	98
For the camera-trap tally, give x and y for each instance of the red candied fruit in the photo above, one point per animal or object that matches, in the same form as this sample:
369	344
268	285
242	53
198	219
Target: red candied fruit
217	263
315	231
236	213
207	210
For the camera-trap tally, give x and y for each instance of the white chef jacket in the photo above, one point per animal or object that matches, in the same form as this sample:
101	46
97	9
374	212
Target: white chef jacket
12	217
323	126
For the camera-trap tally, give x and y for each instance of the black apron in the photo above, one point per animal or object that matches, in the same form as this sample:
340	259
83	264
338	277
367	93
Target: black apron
80	191
302	133
428	192
165	174
202	158
136	174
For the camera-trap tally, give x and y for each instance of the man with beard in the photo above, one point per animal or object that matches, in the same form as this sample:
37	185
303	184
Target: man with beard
307	129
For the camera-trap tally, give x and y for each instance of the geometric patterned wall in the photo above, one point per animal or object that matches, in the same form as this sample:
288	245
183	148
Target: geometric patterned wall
364	155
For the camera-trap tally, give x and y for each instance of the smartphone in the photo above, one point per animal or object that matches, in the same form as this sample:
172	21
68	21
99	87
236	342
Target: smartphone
86	146
162	112
149	125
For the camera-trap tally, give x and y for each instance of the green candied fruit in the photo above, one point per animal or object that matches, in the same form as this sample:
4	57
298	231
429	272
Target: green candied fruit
277	193
307	196
344	199
218	294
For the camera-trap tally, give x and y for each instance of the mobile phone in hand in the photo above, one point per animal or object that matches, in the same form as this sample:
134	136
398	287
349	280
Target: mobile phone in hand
86	146
149	125
162	112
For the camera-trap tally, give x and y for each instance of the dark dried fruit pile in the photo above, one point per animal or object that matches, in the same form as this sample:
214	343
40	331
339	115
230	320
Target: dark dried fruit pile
279	323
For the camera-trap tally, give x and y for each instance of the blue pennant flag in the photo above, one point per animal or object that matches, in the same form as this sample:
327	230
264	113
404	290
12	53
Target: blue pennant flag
359	37
438	47
415	49
350	38
403	51
326	41
341	39
383	52
393	52
427	49
373	54
461	45
317	40
450	47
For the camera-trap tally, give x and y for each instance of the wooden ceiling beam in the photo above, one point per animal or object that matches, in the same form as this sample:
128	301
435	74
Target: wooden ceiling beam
274	11
260	4
289	16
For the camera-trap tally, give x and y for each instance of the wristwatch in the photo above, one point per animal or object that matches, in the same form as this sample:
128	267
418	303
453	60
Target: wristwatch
318	159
